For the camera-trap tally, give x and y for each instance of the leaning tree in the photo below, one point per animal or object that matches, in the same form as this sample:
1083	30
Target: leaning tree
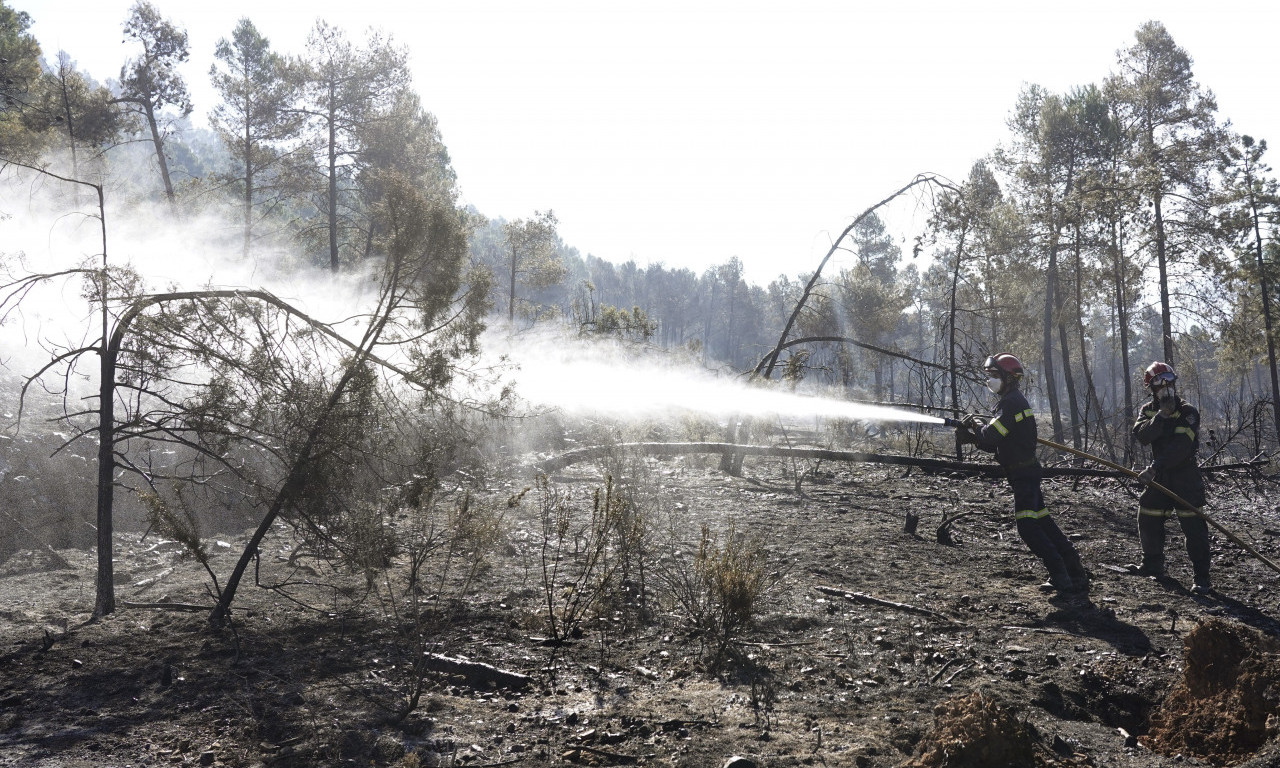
242	394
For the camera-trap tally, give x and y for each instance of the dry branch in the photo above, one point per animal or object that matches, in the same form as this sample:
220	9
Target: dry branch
766	366
854	342
477	671
943	534
862	597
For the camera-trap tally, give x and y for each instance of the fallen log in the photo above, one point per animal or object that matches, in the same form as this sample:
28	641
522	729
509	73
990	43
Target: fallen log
166	606
681	449
987	469
476	671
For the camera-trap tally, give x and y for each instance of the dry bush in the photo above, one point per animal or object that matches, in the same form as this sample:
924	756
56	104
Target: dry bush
444	548
637	499
976	731
177	520
578	568
719	591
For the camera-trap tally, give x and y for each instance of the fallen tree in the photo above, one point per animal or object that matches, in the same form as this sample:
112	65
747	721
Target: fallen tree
989	469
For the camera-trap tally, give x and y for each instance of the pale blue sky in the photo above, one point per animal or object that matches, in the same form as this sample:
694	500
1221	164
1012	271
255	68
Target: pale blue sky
689	132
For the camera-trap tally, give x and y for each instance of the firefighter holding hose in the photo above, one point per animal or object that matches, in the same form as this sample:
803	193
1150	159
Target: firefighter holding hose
1170	426
1011	436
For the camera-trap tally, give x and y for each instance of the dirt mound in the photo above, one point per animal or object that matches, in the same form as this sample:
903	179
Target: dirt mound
1227	705
976	731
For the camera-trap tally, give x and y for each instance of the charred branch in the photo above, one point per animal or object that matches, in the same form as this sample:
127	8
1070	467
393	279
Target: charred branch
476	671
865	599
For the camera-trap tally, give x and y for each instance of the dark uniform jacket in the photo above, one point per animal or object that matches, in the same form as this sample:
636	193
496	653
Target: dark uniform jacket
1011	436
1174	441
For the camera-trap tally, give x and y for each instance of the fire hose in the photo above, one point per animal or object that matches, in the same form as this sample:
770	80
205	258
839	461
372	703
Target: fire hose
1181	502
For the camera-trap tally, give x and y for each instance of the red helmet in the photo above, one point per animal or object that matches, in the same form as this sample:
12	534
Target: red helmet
1159	374
1003	364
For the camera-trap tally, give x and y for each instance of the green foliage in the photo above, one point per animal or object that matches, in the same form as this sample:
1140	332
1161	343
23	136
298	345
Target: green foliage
344	89
19	73
81	112
625	325
150	85
252	120
530	259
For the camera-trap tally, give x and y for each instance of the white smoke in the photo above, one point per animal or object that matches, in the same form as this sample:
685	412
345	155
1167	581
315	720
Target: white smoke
607	378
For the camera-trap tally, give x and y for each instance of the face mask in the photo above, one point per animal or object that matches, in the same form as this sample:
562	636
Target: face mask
995	385
1165	394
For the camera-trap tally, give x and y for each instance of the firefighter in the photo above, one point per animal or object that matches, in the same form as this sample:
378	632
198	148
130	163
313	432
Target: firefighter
1011	436
1171	426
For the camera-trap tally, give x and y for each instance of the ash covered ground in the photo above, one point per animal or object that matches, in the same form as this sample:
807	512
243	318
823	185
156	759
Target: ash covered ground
869	646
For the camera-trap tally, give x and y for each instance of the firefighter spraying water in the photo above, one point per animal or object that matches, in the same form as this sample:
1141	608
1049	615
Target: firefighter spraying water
1170	426
1011	436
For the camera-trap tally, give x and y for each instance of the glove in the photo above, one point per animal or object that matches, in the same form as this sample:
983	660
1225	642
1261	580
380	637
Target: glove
968	430
1147	475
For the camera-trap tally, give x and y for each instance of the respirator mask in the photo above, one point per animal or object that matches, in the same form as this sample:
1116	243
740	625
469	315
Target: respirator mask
1166	395
995	385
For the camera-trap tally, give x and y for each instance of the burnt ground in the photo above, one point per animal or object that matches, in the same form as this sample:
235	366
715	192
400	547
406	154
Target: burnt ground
942	655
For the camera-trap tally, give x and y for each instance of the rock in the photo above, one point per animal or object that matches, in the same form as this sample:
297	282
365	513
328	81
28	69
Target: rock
738	761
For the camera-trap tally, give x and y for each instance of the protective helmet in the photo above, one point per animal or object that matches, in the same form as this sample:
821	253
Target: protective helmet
1003	365
1159	374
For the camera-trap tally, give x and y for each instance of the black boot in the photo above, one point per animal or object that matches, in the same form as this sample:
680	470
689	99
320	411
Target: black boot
1151	537
1059	581
1146	569
1202	584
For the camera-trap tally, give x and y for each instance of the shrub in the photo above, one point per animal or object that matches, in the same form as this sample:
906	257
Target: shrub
718	593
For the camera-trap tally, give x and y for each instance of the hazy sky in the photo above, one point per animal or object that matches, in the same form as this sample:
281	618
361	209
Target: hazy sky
689	132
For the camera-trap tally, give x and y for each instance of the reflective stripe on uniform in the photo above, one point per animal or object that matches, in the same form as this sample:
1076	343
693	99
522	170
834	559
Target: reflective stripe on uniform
1024	415
1188	431
1034	514
1000	428
1167	512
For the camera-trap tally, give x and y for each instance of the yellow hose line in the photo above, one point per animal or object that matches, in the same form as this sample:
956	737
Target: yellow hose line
1176	498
